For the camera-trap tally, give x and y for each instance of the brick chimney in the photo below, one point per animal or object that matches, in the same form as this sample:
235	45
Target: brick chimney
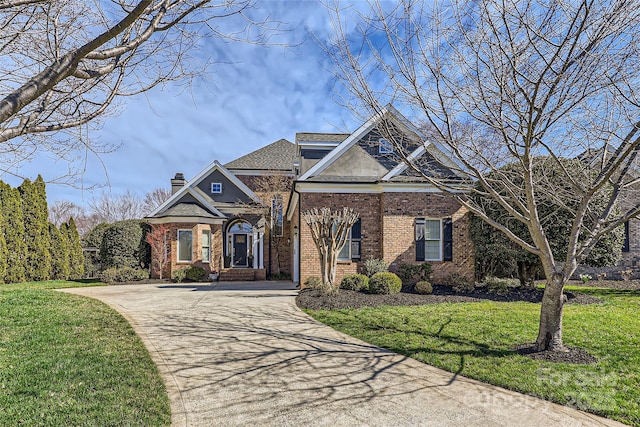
177	182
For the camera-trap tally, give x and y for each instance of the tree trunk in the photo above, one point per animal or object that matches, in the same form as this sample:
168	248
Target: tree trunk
527	274
323	266
332	268
550	331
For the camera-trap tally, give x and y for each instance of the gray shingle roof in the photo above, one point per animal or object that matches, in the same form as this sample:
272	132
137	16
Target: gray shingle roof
275	156
186	210
321	137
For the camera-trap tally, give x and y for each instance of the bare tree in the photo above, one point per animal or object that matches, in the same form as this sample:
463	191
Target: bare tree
504	82
61	210
155	198
66	63
157	239
112	208
272	191
330	232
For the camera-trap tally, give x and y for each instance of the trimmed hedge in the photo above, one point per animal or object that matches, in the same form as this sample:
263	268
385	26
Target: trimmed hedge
423	288
123	274
385	283
123	245
355	282
190	274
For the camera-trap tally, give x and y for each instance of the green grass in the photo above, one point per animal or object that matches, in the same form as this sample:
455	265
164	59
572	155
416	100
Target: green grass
71	360
476	340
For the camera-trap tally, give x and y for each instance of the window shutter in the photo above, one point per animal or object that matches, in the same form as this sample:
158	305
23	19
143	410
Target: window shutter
420	250
356	240
625	245
447	239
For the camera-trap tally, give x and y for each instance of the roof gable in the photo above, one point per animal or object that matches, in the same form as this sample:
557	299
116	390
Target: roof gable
368	138
356	162
215	172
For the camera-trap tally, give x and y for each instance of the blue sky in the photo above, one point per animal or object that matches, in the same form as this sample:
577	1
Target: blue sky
255	95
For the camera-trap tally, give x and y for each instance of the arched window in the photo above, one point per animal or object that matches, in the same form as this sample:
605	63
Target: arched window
240	227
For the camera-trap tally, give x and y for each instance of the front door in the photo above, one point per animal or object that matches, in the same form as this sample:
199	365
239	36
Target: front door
240	250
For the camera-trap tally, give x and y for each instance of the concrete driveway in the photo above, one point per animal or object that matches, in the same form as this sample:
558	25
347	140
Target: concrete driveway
242	354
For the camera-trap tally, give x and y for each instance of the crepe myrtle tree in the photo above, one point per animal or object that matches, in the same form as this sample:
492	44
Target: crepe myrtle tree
494	83
158	243
271	189
65	64
330	232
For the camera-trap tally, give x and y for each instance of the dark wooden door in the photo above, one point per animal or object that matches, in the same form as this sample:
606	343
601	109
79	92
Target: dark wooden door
240	250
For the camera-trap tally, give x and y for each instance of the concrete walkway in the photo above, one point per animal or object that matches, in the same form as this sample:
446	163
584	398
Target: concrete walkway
243	355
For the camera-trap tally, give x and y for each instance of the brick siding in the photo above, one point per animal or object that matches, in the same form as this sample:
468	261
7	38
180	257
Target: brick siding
196	229
388	231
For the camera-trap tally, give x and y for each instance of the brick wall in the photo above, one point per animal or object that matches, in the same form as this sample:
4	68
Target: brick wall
400	211
366	205
388	230
196	229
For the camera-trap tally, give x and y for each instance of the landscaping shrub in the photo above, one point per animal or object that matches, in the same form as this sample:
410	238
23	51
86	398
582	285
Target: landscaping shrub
280	276
410	274
375	265
196	274
123	245
179	275
385	282
313	282
423	288
355	282
500	286
460	284
123	274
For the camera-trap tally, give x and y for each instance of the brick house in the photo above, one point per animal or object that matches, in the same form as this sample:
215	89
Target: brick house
243	219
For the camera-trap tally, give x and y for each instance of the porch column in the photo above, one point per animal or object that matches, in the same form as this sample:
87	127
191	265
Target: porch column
254	250
261	250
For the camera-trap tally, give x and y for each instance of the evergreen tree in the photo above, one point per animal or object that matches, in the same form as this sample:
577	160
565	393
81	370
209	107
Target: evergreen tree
3	249
76	257
36	228
59	253
13	233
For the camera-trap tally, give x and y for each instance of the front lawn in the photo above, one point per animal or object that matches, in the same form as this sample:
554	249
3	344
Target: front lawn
476	339
71	360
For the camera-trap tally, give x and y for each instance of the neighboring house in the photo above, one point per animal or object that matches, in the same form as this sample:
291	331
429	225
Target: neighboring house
233	218
629	198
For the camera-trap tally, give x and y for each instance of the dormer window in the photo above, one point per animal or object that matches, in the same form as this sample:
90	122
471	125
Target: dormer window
216	188
385	147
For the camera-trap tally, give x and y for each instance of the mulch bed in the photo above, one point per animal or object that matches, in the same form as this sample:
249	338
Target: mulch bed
576	356
315	300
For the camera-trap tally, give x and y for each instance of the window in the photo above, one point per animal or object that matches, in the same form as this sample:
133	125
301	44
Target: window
185	239
216	188
345	252
385	147
276	215
351	249
206	246
434	239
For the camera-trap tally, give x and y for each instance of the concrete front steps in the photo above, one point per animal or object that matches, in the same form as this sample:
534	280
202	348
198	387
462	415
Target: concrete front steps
242	274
